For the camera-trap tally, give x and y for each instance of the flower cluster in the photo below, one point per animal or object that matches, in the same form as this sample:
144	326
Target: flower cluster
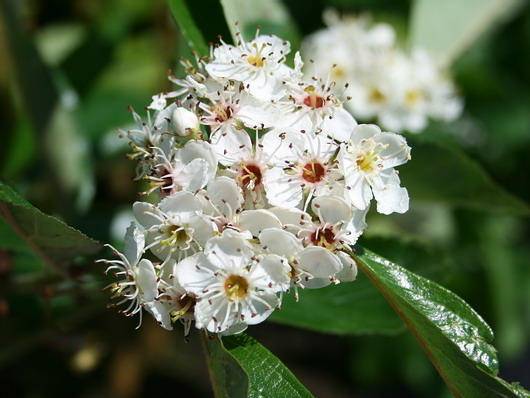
264	181
400	90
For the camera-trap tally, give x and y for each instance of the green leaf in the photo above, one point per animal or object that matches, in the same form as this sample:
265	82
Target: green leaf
442	173
271	17
357	308
447	28
49	238
187	26
454	337
239	366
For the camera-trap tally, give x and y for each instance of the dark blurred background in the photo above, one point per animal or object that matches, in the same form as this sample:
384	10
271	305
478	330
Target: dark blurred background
59	148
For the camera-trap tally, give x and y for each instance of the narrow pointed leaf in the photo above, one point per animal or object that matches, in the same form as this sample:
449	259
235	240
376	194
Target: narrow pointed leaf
49	238
441	172
187	26
241	367
454	337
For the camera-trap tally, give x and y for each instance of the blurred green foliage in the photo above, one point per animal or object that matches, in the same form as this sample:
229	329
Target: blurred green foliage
85	62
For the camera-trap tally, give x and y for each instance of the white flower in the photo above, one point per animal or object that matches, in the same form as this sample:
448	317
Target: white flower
174	303
309	267
138	281
159	101
337	229
258	64
154	132
402	90
232	288
303	166
244	162
188	168
176	228
367	162
185	121
314	106
229	110
224	202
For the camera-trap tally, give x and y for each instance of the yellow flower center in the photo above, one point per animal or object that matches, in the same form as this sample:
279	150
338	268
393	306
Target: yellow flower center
376	96
256	60
413	96
236	287
367	161
176	236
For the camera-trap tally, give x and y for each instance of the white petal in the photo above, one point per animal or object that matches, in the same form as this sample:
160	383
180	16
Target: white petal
282	189
225	195
160	312
229	251
280	242
277	268
180	202
340	125
396	151
356	226
331	209
203	229
364	131
349	268
195	175
291	218
231	145
358	190
134	244
194	273
199	150
389	195
146	280
256	221
319	262
143	212
262	311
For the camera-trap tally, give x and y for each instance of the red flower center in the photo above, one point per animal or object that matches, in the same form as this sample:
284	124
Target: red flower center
313	172
324	237
250	176
314	101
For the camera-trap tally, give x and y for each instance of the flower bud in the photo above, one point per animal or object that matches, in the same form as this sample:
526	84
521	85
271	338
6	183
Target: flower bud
185	121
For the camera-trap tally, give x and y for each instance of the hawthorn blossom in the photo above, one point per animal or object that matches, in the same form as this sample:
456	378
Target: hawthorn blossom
367	162
257	64
309	267
401	90
262	181
232	288
315	105
303	167
189	168
137	279
176	228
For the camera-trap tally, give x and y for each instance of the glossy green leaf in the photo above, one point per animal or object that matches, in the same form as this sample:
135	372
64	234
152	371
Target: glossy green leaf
49	238
357	308
454	337
442	173
447	28
239	366
187	26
